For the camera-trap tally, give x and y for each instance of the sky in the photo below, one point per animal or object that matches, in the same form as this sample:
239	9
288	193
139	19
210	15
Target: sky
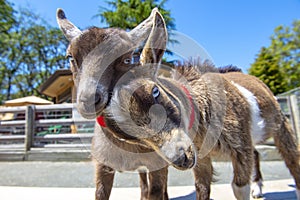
228	31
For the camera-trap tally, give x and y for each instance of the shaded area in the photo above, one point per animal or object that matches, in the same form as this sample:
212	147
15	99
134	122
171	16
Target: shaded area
289	195
191	196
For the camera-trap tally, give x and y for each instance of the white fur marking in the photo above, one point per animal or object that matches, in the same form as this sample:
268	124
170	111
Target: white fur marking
257	189
258	124
241	193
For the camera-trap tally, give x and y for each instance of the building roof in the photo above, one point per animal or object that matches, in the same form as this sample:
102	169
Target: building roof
56	83
29	100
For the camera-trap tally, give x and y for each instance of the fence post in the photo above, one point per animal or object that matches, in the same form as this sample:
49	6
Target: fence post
296	115
29	126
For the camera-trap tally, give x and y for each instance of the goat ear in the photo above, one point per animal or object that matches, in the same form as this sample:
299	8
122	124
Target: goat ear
156	43
141	32
70	30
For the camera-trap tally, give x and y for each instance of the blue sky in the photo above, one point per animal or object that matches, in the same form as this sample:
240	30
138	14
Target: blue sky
231	31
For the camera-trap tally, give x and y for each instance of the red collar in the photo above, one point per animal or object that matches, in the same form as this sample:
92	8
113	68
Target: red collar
192	111
100	119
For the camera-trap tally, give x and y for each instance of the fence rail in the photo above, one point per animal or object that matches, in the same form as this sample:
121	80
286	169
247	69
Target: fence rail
45	130
290	108
57	132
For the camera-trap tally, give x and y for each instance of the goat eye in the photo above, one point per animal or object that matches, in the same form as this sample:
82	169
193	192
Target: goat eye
155	92
127	61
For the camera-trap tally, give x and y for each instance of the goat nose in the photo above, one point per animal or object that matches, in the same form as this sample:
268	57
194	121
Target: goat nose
182	161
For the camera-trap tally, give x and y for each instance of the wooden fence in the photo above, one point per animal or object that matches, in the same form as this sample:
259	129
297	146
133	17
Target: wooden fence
45	133
57	132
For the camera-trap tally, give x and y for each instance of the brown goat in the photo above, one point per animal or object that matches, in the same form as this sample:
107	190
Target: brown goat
192	117
98	59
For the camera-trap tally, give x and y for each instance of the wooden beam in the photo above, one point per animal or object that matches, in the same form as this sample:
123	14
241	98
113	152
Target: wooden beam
29	127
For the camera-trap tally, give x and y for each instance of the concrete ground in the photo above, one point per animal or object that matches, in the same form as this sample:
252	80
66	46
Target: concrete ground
74	180
273	190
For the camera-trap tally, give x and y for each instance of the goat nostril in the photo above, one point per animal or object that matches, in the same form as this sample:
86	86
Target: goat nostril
90	100
185	161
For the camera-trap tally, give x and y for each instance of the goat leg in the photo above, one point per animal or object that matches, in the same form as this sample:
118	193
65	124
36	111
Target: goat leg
158	184
144	185
257	177
104	181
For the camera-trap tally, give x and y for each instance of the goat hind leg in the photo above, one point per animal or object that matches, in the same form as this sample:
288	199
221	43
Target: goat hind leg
257	177
286	143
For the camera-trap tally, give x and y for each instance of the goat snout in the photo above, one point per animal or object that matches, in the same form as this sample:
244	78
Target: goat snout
90	103
178	150
184	161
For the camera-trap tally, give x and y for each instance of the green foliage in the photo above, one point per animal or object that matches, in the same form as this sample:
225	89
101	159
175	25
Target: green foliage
266	68
127	14
32	50
279	64
6	16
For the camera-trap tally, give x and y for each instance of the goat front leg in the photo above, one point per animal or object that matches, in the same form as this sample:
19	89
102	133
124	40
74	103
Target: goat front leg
158	184
144	185
203	173
242	163
104	181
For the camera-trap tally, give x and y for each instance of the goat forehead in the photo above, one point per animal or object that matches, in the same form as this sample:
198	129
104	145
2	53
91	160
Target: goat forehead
94	36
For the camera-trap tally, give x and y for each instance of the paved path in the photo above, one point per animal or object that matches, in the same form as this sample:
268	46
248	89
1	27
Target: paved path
81	174
273	190
74	180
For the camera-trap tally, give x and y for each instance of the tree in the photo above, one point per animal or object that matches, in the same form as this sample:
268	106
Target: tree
7	21
42	52
266	68
6	16
127	14
35	51
279	64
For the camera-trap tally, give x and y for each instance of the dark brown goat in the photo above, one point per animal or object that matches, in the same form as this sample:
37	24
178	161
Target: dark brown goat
192	117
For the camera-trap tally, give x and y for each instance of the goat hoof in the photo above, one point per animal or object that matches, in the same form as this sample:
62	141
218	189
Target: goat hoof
256	193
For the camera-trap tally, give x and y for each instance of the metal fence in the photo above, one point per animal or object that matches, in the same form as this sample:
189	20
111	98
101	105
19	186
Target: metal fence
290	104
